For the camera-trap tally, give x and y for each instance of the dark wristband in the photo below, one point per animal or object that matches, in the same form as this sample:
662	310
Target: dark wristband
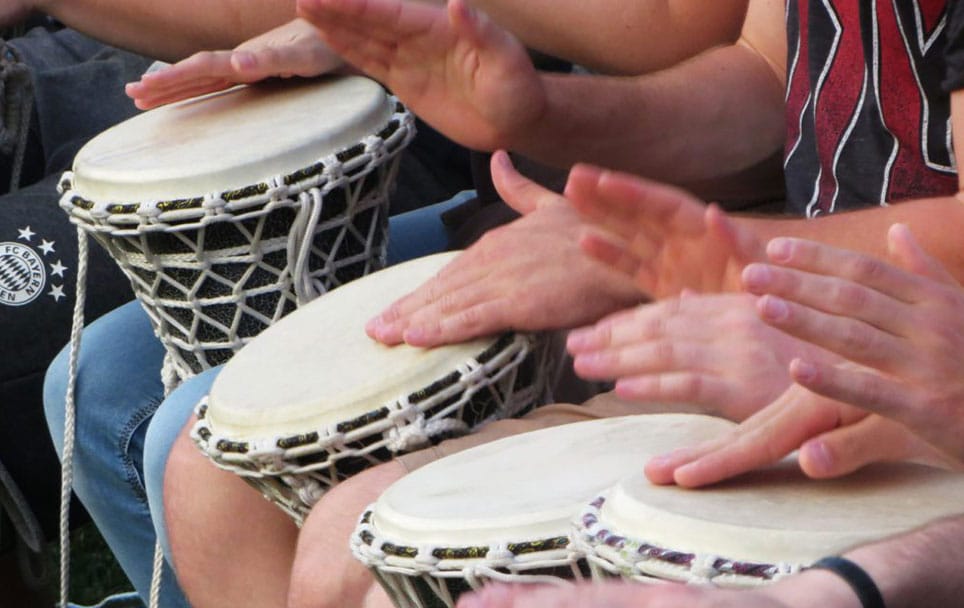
856	577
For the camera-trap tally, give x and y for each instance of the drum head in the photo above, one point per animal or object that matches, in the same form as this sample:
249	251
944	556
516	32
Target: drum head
778	515
317	367
228	140
528	486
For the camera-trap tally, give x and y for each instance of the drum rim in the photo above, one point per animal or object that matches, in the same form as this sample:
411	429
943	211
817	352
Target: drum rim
615	551
507	343
124	218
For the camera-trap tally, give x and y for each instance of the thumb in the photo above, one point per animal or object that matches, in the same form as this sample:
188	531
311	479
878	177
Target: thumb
744	244
873	439
518	191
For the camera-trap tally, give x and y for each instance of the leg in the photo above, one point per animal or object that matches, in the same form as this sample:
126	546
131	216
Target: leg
324	573
229	545
118	390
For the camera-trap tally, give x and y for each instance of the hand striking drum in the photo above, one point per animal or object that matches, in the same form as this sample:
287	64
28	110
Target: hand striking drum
313	400
229	211
521	510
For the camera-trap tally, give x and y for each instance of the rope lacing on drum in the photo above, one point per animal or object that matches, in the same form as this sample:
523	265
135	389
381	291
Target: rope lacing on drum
703	568
421	431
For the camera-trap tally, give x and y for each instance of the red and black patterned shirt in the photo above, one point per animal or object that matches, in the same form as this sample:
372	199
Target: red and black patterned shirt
868	103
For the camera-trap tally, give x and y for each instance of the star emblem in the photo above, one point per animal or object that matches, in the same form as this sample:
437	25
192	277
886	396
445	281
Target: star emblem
57	269
25	233
57	292
46	246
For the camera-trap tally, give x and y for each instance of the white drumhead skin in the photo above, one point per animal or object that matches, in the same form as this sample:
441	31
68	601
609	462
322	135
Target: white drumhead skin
778	515
528	486
317	367
229	139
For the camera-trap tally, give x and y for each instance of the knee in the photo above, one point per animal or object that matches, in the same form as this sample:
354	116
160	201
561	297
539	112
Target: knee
324	573
54	395
172	420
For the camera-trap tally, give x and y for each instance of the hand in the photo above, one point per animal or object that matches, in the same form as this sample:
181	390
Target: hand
663	237
455	69
616	595
293	49
708	350
904	327
527	275
833	439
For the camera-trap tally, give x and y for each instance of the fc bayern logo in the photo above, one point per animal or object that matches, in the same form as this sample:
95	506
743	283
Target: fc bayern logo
22	274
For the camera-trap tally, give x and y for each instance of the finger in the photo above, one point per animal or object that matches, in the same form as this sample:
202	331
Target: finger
743	241
202	64
649	357
625	205
432	328
758	444
907	252
818	258
365	52
703	390
663	204
861	387
850	338
617	255
844	450
293	60
201	87
830	295
518	191
462	272
623	327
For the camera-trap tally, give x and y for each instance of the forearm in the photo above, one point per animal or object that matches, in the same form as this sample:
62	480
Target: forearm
714	115
936	223
173	29
922	568
620	37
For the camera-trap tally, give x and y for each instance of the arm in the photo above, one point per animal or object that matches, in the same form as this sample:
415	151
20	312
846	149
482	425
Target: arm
618	37
920	568
473	82
172	29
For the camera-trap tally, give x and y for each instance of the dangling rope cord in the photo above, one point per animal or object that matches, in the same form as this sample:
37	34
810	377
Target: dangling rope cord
67	468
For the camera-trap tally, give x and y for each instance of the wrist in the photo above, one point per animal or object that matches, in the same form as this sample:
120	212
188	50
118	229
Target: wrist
814	588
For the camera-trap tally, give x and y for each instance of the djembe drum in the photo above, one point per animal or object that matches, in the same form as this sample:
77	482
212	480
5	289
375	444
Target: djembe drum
314	400
228	211
503	510
758	527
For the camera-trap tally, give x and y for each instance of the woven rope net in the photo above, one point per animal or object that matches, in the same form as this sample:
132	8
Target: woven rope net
216	270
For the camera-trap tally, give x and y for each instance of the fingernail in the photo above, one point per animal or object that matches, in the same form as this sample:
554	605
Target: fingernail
416	335
243	60
773	308
804	371
779	249
579	339
819	455
756	276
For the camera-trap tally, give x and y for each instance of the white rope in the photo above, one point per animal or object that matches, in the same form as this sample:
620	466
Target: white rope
67	466
158	568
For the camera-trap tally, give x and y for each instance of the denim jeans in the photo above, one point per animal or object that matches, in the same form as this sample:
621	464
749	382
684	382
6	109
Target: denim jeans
124	432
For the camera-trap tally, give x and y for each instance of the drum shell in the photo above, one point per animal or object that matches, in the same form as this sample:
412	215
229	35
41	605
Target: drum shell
215	270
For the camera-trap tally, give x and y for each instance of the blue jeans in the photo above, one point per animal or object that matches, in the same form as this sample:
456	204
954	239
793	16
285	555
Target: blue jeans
124	432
